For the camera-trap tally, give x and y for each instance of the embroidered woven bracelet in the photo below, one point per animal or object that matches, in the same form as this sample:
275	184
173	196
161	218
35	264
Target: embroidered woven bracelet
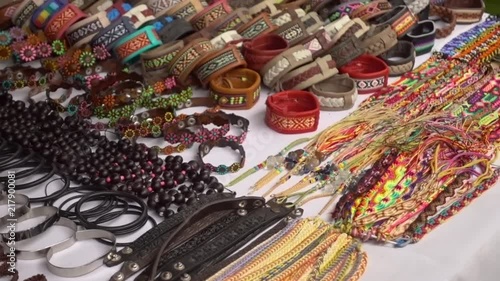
371	10
329	11
186	9
400	59
159	58
188	59
205	148
293	32
318	43
379	39
232	21
140	15
336	93
44	13
468	11
401	19
236	89
25	11
218	62
422	37
309	74
261	24
370	73
84	31
56	27
218	10
111	34
286	16
292	112
129	48
283	63
222	40
159	6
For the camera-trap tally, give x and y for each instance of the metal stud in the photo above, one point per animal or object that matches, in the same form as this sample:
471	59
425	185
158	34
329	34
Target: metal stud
118	276
133	266
179	266
257	204
242	204
127	250
167	275
114	257
242	212
186	277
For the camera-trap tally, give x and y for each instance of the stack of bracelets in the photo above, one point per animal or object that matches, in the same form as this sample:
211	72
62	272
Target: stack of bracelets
112	86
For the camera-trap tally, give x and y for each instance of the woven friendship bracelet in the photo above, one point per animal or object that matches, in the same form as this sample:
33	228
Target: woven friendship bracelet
24	11
309	74
159	58
261	24
422	37
286	16
372	10
140	15
400	59
232	21
336	93
379	39
186	9
401	19
319	43
236	89
214	12
222	40
266	6
129	48
60	22
284	63
84	31
346	51
108	36
45	12
159	6
293	32
370	73
218	62
188	58
466	11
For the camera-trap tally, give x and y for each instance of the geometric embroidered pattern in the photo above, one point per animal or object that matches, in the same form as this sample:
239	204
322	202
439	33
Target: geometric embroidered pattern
58	22
216	13
255	29
161	5
186	11
84	31
404	23
112	35
133	45
292	33
190	56
291	123
26	13
159	62
370	84
215	64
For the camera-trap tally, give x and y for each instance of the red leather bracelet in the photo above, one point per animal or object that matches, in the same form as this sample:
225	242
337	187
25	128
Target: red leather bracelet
370	73
292	112
64	19
262	49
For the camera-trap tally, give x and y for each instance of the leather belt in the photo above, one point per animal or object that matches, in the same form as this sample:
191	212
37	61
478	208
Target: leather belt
186	9
401	19
309	74
287	15
232	21
140	15
292	112
222	40
372	10
129	48
336	93
447	16
60	22
261	24
188	58
466	11
346	51
293	32
236	89
379	39
176	30
422	37
45	12
283	63
84	31
51	216
262	49
111	34
159	58
318	43
217	62
24	11
370	73
210	14
400	59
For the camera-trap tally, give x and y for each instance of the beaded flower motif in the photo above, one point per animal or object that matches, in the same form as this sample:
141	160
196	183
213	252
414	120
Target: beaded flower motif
28	53
5	38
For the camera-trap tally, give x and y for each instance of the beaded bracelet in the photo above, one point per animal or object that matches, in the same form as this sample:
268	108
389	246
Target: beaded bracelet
205	148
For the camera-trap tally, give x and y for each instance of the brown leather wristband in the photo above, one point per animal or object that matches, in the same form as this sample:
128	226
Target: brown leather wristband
159	6
309	74
400	18
336	93
293	32
319	43
312	22
356	28
188	58
232	21
266	6
261	24
379	39
218	62
372	10
346	51
186	9
159	58
283	63
236	89
6	13
262	49
447	16
286	16
467	11
210	14
292	4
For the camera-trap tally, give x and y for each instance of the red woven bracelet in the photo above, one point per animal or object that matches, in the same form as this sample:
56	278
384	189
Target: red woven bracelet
262	49
370	73
60	22
292	112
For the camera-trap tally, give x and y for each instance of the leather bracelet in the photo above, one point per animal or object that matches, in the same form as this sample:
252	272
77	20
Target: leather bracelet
186	9
400	59
217	62
331	11
309	74
111	34
319	43
129	48
188	59
261	24
232	21
160	58
56	27
379	39
401	19
372	10
42	14
6	14
447	16
222	40
140	15
51	217
292	4
262	49
83	269
266	6
283	63
417	6
160	6
118	9
293	32
24	12
292	112
346	51
422	37
312	22
334	27
236	89
210	14
84	31
370	73
466	11
97	7
286	16
176	30
336	93
205	148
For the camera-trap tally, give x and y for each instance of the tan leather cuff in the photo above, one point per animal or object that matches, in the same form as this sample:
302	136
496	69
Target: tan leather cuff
356	28
159	59
312	22
293	32
319	43
236	89
466	11
188	58
336	93
309	74
186	9
379	39
232	21
285	62
210	14
336	26
216	63
260	25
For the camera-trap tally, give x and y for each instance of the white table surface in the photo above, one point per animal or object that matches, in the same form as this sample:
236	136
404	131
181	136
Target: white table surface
465	248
